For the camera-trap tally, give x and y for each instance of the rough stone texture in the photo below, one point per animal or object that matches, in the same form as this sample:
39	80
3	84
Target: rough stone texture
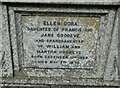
0	38
69	76
0	43
62	86
113	50
87	2
87	50
107	72
119	43
26	86
6	49
54	86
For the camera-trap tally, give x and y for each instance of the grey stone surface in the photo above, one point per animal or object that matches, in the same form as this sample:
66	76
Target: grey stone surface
26	86
0	44
107	50
62	86
119	43
106	71
83	2
84	51
58	87
6	45
0	38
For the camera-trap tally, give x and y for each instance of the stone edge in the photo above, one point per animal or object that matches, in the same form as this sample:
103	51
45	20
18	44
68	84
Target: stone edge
118	3
0	44
77	2
119	44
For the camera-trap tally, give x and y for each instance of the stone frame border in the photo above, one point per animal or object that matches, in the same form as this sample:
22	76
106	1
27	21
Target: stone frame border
12	73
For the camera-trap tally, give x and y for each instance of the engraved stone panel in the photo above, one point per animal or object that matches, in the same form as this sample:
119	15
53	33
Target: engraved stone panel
59	41
61	46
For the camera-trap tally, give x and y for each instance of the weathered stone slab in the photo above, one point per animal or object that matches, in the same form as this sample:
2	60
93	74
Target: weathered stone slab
50	45
60	41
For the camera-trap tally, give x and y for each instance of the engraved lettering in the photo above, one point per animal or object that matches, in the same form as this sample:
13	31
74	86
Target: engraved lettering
51	23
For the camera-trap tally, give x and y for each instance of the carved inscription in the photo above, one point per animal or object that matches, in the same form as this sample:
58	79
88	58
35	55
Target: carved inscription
59	41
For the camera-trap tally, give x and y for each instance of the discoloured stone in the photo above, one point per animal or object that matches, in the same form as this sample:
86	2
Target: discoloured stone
50	40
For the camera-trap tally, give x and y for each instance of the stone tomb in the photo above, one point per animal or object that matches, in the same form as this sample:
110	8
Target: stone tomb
62	46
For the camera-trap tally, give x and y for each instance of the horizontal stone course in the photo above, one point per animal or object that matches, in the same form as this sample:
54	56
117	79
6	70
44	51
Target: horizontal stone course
84	2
